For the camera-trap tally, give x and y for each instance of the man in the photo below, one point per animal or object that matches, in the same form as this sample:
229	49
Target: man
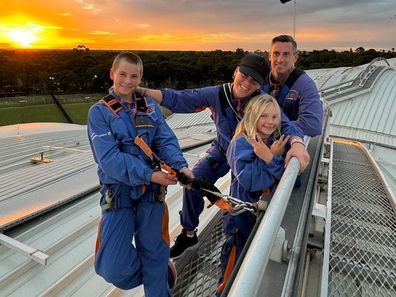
294	90
227	103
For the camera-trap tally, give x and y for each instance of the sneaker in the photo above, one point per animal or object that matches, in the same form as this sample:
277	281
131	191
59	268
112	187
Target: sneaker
183	243
172	275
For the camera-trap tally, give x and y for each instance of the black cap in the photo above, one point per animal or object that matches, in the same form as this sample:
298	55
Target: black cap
255	66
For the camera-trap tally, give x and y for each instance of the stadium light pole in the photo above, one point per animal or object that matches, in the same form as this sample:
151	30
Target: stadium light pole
294	16
22	104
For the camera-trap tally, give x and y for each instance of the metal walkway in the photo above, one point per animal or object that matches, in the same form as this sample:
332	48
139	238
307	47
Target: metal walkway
362	249
199	271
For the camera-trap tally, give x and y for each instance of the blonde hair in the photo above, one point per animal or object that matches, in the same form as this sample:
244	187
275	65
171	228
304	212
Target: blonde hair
129	57
253	111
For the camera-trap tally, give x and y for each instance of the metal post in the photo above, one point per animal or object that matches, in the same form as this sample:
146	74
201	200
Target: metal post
294	24
294	16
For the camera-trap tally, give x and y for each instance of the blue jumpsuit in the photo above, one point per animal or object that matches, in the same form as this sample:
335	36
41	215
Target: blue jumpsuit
214	165
251	175
300	101
124	174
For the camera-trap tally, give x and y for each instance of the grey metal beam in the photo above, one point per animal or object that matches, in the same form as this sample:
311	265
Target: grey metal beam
24	249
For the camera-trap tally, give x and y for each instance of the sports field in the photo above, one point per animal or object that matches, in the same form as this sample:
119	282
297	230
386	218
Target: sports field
41	108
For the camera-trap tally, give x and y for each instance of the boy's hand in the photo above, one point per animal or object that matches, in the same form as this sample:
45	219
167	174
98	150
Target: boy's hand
278	147
163	178
262	150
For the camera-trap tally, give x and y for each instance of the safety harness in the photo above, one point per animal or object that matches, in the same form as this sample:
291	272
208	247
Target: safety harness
239	207
140	120
141	112
284	89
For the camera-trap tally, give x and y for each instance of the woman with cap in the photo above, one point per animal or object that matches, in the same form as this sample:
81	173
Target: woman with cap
227	103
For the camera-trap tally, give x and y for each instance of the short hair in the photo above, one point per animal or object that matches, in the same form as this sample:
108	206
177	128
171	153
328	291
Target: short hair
253	111
285	38
128	57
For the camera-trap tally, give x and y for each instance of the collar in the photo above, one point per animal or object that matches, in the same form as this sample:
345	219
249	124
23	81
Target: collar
273	84
122	101
276	83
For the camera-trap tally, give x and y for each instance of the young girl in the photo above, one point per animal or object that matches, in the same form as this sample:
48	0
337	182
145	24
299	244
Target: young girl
255	158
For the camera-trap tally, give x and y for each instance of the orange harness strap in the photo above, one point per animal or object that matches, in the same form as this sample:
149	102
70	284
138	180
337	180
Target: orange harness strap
229	268
112	103
165	224
98	243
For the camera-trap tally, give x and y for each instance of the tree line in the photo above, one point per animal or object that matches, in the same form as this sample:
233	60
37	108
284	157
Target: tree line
80	70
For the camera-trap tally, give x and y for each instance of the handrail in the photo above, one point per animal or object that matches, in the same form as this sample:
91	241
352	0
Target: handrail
252	270
376	60
299	250
344	84
360	80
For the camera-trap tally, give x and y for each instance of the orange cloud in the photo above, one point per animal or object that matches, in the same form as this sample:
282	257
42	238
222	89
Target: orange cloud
170	25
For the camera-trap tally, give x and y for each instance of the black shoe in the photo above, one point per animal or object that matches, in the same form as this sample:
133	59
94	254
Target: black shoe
183	243
172	275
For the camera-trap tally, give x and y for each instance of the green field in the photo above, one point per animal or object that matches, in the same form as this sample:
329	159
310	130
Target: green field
14	110
29	114
31	109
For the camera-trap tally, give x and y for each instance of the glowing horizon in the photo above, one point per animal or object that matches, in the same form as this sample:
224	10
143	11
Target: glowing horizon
165	25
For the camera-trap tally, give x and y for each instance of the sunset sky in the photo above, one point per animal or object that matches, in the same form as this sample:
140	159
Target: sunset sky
196	24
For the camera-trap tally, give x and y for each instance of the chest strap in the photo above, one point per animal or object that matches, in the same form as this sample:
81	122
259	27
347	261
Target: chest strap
115	106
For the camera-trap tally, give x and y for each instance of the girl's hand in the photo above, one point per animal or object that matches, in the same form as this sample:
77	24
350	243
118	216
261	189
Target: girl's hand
262	150
278	147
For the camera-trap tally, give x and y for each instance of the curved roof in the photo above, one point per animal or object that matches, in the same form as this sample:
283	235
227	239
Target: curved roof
371	116
68	233
363	107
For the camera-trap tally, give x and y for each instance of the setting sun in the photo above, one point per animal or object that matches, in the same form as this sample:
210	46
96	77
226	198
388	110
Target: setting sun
24	37
20	31
98	24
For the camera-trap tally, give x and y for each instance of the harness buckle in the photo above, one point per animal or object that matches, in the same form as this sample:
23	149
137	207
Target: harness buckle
108	206
160	194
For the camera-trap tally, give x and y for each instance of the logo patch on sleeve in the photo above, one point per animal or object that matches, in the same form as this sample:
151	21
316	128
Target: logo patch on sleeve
293	95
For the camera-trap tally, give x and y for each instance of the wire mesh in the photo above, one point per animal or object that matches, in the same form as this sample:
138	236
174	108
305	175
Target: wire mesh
363	229
199	271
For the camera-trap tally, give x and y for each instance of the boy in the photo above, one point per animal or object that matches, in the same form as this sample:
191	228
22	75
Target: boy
132	190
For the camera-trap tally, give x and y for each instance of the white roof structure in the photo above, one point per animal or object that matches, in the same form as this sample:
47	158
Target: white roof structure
368	112
67	186
61	196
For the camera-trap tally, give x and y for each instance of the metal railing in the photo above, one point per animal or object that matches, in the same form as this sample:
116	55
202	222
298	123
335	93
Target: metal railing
252	270
251	273
363	81
255	262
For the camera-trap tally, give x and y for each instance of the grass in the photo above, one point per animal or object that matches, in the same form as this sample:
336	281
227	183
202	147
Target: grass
78	112
30	114
41	108
21	101
14	110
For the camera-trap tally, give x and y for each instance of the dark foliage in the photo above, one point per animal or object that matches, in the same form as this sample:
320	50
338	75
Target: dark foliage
81	70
